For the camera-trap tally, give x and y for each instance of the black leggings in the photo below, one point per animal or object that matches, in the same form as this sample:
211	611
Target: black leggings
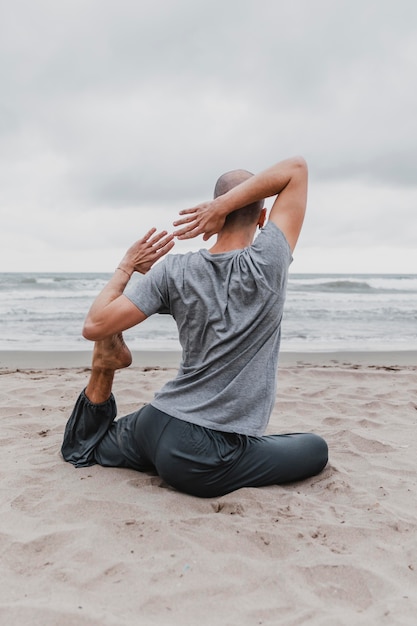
193	459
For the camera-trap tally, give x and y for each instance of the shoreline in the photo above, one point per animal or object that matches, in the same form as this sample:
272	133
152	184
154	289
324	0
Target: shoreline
48	359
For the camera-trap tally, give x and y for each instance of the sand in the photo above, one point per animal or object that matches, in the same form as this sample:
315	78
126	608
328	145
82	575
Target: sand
114	547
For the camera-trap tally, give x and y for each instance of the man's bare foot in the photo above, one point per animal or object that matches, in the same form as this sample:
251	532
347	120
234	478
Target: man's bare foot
111	353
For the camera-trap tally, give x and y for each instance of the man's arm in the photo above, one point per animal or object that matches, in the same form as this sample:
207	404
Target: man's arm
287	180
111	312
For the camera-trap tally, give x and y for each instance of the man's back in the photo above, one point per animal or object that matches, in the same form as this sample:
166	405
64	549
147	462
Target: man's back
228	308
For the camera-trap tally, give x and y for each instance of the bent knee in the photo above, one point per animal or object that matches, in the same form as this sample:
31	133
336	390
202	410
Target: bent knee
321	452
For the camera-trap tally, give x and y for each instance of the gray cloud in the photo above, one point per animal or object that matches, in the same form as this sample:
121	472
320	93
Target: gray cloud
143	104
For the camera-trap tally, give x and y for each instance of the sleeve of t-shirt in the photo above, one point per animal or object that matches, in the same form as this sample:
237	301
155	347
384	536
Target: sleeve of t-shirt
149	292
272	254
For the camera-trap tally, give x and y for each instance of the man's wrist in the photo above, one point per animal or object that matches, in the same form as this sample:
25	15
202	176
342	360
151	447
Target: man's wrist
122	269
222	206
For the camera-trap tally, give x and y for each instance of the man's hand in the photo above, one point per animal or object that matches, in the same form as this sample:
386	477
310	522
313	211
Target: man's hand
111	312
146	251
204	219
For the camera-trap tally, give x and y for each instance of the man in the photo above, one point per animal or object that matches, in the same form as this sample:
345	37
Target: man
204	430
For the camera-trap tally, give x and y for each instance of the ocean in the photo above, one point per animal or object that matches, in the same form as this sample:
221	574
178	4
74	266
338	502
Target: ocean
323	312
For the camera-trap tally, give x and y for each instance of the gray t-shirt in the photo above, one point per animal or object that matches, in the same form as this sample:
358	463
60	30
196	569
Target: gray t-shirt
228	308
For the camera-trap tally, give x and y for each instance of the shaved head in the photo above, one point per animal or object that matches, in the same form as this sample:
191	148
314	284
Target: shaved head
247	215
229	180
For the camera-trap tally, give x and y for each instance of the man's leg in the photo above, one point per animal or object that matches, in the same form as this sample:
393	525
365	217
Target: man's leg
278	459
95	409
208	463
109	355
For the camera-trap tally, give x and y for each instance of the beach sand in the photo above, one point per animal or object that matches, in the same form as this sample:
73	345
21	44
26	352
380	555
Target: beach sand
113	547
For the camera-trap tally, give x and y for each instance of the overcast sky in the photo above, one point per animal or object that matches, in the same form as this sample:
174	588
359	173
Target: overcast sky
115	114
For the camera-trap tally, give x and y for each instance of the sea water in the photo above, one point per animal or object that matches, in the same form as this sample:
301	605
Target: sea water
323	312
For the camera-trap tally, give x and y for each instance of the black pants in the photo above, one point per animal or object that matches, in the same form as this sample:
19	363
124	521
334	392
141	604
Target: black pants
193	459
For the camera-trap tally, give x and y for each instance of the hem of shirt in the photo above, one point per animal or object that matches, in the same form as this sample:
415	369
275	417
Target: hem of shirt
221	428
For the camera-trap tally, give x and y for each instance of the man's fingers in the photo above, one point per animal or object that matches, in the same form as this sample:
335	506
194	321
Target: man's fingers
148	235
157	237
164	249
185	233
188	211
180	233
168	246
188	234
185	220
160	238
161	243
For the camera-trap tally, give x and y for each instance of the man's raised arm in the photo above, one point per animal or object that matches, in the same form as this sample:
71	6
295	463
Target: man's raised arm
111	312
287	180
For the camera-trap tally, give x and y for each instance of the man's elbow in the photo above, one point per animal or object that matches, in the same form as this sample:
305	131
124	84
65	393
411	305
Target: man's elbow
91	331
300	165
